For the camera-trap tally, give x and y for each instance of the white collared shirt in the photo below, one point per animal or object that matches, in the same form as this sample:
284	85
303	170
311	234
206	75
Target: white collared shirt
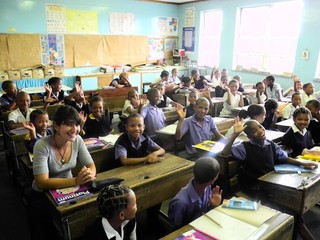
110	232
295	129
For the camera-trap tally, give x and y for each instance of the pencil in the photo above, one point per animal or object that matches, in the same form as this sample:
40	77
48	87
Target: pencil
212	220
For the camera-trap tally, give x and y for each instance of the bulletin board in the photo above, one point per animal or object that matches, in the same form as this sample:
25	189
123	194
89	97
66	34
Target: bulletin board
24	50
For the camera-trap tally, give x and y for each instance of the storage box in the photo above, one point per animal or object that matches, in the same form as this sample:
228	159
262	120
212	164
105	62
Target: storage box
26	73
38	73
59	71
4	76
49	72
14	74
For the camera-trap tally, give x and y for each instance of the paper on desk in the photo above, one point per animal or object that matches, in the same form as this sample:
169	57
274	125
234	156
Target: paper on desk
232	228
255	218
111	138
169	130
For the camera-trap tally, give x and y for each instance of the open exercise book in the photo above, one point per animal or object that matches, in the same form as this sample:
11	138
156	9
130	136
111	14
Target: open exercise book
236	224
72	194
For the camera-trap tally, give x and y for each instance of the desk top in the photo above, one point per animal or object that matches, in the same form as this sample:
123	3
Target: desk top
138	177
285	123
275	136
33	90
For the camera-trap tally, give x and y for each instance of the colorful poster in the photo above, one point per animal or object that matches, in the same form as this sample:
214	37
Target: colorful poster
56	19
80	21
156	50
52	49
121	23
188	38
167	26
189	17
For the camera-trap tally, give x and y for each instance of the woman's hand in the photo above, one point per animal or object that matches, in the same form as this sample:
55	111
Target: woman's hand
85	176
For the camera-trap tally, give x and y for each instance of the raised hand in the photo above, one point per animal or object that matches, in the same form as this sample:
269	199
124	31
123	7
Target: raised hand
238	125
48	88
181	111
216	197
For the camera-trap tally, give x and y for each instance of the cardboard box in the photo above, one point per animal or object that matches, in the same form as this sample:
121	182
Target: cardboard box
26	73
59	71
38	73
4	76
14	74
49	72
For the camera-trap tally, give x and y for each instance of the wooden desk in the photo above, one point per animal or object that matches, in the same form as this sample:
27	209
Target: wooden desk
34	90
217	105
106	93
152	184
286	190
281	227
170	114
284	125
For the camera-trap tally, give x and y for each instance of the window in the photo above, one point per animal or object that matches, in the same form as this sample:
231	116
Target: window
266	37
209	40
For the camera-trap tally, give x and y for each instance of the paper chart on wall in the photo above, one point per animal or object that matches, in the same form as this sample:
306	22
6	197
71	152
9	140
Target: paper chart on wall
121	22
79	21
167	26
189	17
52	49
56	19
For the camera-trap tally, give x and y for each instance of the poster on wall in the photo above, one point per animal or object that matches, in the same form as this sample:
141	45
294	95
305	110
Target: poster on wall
156	50
167	26
56	19
79	21
52	49
189	17
122	23
188	38
170	44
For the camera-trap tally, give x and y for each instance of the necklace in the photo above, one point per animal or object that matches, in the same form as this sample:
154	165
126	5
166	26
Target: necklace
63	161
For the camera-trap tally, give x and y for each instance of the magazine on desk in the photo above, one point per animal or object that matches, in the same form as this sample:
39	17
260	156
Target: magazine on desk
210	146
64	196
95	143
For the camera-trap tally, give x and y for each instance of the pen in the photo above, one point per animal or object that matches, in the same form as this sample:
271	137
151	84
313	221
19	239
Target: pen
212	220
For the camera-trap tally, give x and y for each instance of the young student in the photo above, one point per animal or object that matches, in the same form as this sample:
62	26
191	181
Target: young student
197	128
131	105
7	100
54	158
164	78
117	207
314	125
97	123
185	86
232	99
297	87
22	113
273	90
193	97
215	76
256	156
173	78
77	100
38	127
254	112
122	81
199	82
197	197
221	89
165	101
272	114
308	93
298	138
54	93
134	146
154	118
258	97
239	79
287	112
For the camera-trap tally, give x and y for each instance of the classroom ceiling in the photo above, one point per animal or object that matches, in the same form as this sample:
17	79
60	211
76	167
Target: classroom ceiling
176	1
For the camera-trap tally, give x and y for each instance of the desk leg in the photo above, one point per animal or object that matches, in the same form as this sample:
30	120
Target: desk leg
301	228
65	229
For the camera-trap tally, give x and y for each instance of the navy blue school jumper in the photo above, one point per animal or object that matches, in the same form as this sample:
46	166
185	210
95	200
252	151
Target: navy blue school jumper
314	129
95	128
297	142
96	230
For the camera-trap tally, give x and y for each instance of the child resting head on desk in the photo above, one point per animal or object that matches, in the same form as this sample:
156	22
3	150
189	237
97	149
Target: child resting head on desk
257	156
22	113
197	128
134	146
117	207
197	197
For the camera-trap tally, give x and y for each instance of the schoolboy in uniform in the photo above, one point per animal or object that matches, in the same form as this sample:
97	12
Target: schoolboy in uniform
134	146
154	118
197	128
7	100
257	156
22	113
314	125
197	197
273	90
288	111
308	93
